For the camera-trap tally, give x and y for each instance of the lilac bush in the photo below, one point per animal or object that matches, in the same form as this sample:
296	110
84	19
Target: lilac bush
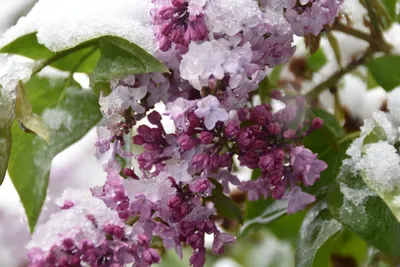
209	62
213	70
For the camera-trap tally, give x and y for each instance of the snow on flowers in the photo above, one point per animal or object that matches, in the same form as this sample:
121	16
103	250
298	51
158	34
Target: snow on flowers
217	52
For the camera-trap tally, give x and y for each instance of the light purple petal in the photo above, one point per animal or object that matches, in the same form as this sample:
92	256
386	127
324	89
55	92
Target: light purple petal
299	200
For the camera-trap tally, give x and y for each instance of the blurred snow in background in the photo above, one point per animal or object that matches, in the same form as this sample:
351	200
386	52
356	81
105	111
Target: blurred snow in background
76	167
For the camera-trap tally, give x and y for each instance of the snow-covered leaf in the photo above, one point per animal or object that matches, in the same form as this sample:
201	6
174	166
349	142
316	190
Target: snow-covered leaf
316	237
120	58
64	24
362	211
31	156
380	170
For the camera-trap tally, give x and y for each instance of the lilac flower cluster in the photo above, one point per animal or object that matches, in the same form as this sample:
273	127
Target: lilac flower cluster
209	139
218	52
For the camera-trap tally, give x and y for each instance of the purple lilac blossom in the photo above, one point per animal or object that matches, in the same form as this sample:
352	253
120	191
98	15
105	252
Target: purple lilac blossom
217	52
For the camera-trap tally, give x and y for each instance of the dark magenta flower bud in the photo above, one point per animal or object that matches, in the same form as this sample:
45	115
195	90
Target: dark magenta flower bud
267	163
206	137
274	128
186	142
154	118
317	123
232	129
245	139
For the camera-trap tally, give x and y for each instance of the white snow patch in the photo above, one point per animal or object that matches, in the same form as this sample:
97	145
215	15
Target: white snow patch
355	196
56	118
63	24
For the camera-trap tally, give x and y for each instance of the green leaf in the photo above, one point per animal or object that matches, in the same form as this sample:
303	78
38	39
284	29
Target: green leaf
28	120
371	83
227	208
288	226
390	6
29	46
7	109
120	58
31	156
328	142
348	246
360	210
264	89
333	157
335	47
316	236
275	76
170	258
385	70
317	60
262	212
331	126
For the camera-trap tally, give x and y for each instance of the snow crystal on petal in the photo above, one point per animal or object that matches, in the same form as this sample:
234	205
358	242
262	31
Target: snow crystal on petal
179	172
65	224
196	7
232	16
85	203
74	222
202	61
153	189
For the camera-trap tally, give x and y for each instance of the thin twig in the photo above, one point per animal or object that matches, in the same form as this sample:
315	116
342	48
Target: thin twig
377	43
337	76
